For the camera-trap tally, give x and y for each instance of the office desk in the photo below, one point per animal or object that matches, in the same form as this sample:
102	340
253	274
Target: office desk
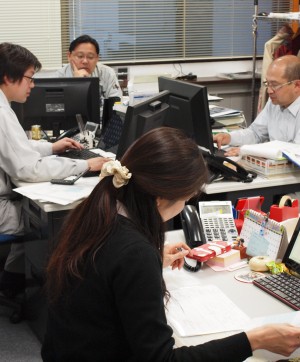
270	188
250	299
45	220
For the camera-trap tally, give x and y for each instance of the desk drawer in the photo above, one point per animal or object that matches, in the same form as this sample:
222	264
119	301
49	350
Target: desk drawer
44	225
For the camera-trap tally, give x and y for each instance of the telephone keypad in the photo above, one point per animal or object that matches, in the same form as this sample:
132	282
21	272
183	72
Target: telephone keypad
219	228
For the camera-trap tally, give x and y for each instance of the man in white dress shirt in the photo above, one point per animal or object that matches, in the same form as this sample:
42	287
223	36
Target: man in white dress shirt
24	159
280	118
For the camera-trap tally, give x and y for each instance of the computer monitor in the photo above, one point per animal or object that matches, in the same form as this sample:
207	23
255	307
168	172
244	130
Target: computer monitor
179	104
54	102
141	118
189	110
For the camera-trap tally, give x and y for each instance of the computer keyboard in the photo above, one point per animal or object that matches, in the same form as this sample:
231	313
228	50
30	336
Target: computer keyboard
283	286
83	154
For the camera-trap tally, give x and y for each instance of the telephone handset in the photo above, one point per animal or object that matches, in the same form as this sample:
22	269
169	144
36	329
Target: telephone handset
69	133
218	169
213	225
193	233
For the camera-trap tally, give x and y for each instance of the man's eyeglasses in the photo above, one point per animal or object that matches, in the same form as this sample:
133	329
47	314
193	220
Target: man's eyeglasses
31	80
276	87
89	57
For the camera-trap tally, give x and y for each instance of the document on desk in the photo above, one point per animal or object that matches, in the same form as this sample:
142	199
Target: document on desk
273	150
202	310
59	194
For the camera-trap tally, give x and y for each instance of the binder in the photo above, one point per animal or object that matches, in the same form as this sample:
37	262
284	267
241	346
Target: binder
263	236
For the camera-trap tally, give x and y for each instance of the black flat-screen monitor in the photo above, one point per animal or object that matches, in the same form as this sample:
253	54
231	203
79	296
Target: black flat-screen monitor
179	104
141	118
189	110
54	102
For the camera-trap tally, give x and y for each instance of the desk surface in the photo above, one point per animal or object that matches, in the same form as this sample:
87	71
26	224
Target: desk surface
258	183
214	188
250	299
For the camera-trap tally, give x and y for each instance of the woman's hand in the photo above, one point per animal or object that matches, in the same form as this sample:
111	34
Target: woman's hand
174	255
282	339
65	144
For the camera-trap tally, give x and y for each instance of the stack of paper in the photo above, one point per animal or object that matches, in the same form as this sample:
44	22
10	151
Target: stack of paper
274	150
226	116
293	15
218	111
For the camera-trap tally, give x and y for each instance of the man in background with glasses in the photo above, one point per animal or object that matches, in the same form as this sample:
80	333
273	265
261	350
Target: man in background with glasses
280	118
83	56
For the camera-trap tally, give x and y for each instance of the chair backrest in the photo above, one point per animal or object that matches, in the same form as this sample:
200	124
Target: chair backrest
112	132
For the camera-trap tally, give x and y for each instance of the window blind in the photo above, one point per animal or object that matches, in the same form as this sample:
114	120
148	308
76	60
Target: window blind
36	25
139	31
133	31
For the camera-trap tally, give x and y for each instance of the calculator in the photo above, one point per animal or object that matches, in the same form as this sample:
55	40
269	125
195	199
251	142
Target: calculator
217	221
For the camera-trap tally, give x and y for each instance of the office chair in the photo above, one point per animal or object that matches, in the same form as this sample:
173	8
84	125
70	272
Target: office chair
111	134
17	304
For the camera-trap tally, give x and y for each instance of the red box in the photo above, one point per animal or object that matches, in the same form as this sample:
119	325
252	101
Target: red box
207	251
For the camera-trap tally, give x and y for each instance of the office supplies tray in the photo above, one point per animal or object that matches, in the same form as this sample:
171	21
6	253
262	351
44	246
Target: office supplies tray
268	167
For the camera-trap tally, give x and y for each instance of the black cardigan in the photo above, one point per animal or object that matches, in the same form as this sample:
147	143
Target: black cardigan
117	312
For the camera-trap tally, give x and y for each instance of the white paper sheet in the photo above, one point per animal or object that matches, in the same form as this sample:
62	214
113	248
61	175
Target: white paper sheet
59	194
270	150
201	310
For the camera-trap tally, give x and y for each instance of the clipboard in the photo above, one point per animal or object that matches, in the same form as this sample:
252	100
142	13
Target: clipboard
263	236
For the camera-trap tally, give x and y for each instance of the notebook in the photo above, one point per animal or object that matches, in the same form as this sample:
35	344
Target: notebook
286	287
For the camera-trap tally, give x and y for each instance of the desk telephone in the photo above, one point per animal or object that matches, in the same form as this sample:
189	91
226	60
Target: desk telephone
83	133
224	167
213	222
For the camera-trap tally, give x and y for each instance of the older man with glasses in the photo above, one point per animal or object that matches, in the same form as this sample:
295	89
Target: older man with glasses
280	118
83	57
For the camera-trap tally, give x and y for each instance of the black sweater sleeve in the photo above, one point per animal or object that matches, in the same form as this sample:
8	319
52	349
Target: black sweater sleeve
136	279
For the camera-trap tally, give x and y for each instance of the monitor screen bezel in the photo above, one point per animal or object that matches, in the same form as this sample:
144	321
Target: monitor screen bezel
197	95
135	124
86	101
